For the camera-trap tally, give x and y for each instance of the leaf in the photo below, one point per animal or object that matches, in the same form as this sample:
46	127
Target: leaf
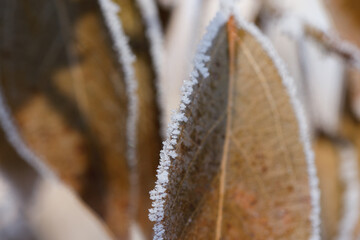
68	95
289	50
350	130
187	24
349	176
345	15
179	48
353	90
138	19
237	163
338	167
34	204
327	163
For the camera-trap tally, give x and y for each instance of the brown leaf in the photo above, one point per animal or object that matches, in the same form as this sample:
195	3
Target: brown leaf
237	164
67	93
346	18
148	127
34	204
327	163
353	90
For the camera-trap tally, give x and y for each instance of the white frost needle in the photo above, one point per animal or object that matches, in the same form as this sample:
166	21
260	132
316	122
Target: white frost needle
126	58
168	153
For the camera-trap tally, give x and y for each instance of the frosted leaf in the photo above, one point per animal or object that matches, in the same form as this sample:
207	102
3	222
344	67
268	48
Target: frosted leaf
68	98
220	142
187	25
167	154
125	56
155	37
303	125
146	40
180	45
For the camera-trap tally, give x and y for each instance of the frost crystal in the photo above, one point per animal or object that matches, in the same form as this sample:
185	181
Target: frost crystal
154	34
302	120
126	58
158	195
110	11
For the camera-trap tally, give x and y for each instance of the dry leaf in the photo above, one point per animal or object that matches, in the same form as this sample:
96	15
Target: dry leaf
327	164
346	18
353	78
181	38
349	176
68	96
338	170
37	205
237	162
187	25
148	137
288	48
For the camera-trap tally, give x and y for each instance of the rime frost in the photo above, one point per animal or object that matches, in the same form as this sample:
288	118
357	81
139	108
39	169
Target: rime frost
153	31
126	58
168	153
110	11
154	34
303	125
